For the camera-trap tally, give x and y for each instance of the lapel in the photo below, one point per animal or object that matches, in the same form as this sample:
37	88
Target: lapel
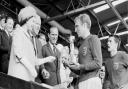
50	49
52	54
5	35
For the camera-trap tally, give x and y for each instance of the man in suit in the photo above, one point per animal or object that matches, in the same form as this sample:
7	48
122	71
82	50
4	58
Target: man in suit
23	57
5	44
50	71
90	56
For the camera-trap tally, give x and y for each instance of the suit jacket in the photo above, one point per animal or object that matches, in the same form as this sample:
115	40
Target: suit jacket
53	68
22	58
5	46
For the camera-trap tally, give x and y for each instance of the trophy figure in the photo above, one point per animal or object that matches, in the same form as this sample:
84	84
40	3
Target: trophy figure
73	59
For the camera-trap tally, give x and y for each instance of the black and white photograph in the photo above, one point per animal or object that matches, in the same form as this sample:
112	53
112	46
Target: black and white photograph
63	44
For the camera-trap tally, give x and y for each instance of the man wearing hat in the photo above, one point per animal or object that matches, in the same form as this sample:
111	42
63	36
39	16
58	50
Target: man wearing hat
23	57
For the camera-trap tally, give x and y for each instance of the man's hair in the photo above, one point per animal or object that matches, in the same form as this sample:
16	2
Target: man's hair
40	35
51	28
117	39
84	18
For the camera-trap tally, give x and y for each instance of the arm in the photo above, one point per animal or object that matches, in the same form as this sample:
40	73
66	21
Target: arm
19	53
45	60
95	45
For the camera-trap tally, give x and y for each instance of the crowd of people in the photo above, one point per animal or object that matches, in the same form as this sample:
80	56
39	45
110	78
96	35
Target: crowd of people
25	54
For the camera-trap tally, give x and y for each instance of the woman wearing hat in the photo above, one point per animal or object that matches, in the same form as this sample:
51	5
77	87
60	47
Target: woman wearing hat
23	59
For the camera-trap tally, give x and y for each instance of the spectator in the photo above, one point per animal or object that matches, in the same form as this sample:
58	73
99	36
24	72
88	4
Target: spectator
2	22
5	44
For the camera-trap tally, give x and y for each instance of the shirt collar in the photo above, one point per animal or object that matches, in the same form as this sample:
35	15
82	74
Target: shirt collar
51	45
7	32
1	28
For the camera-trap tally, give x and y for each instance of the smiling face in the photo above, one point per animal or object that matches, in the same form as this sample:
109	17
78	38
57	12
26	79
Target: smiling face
9	25
53	35
42	39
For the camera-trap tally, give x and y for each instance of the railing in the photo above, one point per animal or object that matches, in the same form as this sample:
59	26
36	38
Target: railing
9	82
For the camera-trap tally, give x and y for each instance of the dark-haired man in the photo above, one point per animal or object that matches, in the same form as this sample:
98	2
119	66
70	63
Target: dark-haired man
117	66
50	71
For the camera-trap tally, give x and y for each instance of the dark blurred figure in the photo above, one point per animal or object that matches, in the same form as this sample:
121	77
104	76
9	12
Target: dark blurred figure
5	44
2	21
41	41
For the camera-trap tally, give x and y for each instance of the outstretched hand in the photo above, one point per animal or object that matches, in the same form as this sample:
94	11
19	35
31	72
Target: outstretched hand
50	59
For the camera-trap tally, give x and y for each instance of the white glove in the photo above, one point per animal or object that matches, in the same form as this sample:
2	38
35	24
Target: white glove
34	73
45	60
50	59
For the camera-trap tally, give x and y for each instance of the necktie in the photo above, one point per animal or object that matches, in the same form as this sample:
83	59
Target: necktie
55	54
54	50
